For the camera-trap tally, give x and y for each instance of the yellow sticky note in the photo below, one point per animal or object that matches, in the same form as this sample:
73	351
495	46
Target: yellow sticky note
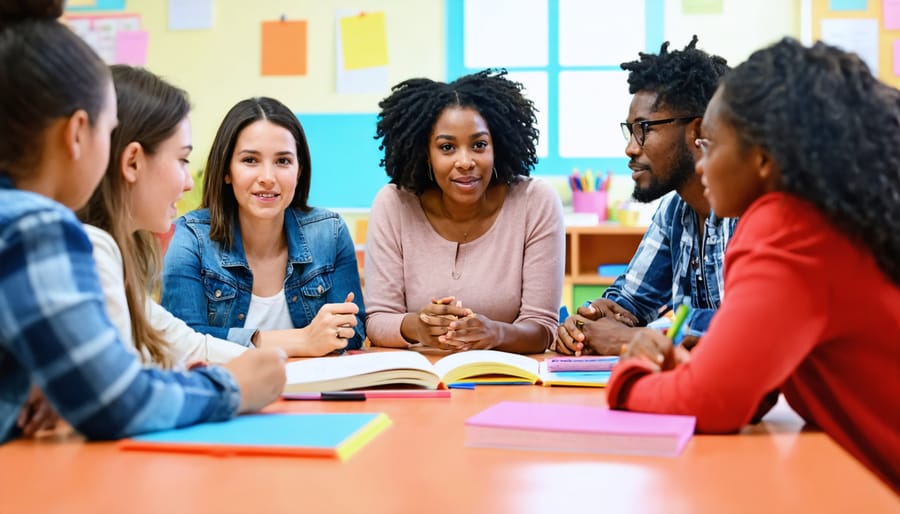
81	3
364	39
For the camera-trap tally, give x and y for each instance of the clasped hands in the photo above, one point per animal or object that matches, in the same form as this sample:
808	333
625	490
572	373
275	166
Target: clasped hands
446	324
600	327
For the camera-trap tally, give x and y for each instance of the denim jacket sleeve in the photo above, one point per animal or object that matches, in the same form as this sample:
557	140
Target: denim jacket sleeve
346	280
60	338
183	293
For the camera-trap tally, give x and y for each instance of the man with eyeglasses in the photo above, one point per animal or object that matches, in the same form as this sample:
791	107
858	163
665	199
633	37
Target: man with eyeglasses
680	259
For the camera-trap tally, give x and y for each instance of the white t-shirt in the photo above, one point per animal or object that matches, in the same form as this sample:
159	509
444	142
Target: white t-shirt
269	312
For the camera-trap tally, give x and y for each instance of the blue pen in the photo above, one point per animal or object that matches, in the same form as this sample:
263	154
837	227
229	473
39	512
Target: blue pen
563	314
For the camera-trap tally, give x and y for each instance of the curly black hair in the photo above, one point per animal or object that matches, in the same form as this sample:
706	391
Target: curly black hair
409	113
684	80
833	130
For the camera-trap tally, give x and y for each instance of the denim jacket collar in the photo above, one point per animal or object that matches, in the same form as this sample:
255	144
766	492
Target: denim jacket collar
298	249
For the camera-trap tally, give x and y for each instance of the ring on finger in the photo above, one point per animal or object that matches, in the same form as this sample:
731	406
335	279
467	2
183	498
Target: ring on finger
579	324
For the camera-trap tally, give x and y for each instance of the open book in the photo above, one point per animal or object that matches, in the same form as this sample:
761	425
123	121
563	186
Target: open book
366	370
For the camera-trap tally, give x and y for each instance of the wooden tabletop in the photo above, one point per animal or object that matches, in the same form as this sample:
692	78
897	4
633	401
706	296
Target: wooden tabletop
420	464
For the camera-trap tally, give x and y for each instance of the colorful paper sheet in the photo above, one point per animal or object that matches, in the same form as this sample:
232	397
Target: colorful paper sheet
701	6
131	47
896	59
364	40
891	14
284	47
190	14
302	435
848	5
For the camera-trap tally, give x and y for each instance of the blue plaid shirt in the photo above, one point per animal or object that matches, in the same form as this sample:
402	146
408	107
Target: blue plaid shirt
54	333
673	266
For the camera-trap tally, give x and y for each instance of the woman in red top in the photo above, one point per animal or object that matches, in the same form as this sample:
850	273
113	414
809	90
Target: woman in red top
804	145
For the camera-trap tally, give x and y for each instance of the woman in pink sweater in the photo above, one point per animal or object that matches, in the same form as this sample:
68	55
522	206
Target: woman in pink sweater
464	251
802	144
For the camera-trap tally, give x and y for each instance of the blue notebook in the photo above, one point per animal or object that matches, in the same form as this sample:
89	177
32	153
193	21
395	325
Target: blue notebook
306	435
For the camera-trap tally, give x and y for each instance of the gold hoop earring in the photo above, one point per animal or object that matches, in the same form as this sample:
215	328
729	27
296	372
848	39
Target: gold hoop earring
430	173
496	175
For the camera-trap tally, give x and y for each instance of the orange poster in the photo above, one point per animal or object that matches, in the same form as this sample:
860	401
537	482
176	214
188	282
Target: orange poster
284	47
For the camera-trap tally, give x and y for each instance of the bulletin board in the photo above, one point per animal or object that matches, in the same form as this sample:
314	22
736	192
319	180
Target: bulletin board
873	25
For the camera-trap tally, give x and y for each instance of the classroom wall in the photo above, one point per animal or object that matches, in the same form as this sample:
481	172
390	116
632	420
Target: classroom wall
221	65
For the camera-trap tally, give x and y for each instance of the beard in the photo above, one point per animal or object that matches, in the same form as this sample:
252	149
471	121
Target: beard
682	170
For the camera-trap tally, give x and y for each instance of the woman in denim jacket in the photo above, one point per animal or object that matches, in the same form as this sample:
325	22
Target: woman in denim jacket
256	265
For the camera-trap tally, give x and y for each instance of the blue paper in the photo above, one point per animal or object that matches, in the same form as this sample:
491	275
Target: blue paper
102	5
848	5
269	430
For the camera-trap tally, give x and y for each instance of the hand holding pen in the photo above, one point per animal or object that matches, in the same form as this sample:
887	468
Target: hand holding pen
661	351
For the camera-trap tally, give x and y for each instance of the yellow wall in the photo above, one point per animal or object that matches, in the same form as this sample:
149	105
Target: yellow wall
743	26
221	66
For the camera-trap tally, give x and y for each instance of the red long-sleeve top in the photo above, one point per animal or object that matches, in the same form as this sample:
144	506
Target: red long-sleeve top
806	310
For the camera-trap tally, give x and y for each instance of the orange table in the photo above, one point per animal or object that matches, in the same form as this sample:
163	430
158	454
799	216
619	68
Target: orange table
420	464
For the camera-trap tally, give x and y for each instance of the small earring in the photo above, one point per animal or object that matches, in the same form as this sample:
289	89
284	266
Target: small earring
496	175
430	173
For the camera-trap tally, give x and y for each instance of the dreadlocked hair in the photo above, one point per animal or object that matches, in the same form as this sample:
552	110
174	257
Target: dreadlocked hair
683	80
409	113
833	130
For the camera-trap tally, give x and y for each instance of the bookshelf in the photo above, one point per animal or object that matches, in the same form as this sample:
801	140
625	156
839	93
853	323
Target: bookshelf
590	246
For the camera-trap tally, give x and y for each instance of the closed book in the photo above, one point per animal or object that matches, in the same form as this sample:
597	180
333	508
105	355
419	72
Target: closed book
409	368
572	378
299	435
578	428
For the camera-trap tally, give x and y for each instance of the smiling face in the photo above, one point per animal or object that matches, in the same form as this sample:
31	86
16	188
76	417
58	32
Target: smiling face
461	154
159	180
264	170
733	174
664	163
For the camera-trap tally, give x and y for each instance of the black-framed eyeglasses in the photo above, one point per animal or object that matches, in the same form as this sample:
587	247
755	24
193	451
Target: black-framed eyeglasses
631	129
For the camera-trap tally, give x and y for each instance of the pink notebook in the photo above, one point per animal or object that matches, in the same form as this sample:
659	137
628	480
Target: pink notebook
578	428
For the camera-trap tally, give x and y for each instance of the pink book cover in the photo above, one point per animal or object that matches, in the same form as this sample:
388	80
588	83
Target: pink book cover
578	428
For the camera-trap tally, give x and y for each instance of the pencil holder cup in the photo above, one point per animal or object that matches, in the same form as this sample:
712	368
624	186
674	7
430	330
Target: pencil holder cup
590	201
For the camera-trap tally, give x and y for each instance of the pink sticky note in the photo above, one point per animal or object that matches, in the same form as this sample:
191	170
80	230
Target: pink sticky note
897	57
131	47
891	15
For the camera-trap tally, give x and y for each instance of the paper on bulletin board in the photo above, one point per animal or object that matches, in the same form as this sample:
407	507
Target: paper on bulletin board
854	35
848	5
593	34
591	129
506	33
896	58
284	48
891	14
364	40
701	6
100	32
95	5
356	81
131	47
190	14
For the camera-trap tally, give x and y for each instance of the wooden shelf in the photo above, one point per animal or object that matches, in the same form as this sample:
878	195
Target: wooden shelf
587	247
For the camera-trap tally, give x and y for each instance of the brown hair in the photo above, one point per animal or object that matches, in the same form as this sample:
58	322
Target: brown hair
218	196
46	73
149	113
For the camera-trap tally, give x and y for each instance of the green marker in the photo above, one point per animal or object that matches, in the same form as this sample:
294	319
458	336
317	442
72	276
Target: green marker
680	315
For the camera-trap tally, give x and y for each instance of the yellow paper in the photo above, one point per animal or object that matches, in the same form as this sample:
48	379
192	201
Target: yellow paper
364	40
701	6
81	3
